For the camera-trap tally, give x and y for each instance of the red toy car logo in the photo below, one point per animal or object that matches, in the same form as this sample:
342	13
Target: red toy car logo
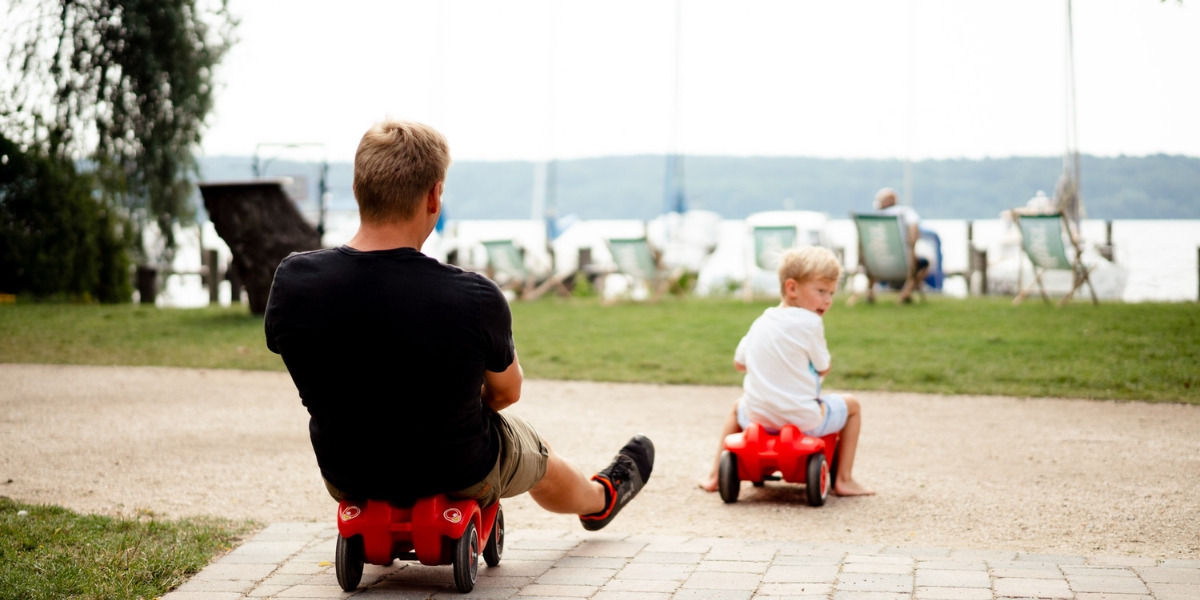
350	512
453	515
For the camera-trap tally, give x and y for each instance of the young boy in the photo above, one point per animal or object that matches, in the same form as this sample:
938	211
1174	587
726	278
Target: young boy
784	357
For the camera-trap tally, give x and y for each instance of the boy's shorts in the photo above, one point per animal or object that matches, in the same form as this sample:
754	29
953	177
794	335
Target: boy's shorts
835	411
520	465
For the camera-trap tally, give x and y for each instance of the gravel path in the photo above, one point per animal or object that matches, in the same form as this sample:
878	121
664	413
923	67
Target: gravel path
968	472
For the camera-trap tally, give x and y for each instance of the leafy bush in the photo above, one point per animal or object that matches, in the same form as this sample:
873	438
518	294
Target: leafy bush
57	239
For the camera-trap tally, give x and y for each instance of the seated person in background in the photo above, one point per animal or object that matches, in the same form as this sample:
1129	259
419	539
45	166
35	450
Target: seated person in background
910	224
784	357
406	364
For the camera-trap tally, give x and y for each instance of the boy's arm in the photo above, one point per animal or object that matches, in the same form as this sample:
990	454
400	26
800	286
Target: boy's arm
739	366
501	390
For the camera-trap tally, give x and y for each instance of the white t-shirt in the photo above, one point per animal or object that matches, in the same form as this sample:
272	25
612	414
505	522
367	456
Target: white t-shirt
783	352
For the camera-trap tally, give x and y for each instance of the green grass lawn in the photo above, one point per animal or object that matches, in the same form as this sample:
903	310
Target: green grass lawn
54	553
974	346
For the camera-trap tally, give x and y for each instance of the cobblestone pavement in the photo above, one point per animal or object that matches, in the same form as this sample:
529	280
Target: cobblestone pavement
295	560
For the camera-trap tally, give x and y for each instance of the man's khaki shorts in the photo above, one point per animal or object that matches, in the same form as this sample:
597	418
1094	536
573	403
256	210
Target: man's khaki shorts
520	465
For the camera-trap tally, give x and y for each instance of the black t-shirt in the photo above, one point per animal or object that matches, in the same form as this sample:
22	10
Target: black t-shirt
388	350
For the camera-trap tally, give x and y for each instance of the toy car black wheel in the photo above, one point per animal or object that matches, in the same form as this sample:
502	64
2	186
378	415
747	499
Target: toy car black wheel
727	481
349	562
495	544
817	484
833	468
466	559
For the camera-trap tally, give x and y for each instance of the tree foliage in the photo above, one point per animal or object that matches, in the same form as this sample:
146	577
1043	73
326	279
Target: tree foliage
56	238
126	84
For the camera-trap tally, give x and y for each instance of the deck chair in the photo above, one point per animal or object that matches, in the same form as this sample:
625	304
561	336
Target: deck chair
635	258
1042	241
883	252
769	243
506	264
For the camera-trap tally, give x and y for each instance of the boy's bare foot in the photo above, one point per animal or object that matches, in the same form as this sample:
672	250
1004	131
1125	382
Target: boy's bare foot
851	488
709	484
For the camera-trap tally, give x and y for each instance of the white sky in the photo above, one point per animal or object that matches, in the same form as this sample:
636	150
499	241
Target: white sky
530	79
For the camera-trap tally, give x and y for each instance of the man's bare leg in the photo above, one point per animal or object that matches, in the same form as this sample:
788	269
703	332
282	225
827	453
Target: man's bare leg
565	489
845	485
709	484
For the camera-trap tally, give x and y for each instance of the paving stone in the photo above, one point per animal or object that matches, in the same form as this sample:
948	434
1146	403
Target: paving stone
608	549
1168	574
392	592
275	558
684	548
517	568
915	552
853	595
1032	588
327	578
1106	596
652	539
713	595
953	593
1124	561
1071	570
790	560
418	573
952	565
878	559
235	571
595	536
590	562
561	591
723	581
257	548
503	582
794	589
299	567
1180	563
872	567
719	542
742	553
220	585
518	554
1028	573
576	576
533	534
1174	591
656	572
1058	559
1119	585
177	595
956	579
801	574
984	554
265	591
314	591
812	551
793	597
682	558
614	595
540	544
641	585
286	580
875	582
732	566
479	593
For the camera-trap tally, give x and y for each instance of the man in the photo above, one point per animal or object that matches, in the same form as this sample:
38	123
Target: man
910	225
406	364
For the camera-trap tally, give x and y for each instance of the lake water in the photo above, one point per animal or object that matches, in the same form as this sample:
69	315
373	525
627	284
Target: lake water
1161	257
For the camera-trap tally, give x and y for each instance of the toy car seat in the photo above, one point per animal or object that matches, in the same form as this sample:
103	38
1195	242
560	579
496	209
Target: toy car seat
436	530
755	455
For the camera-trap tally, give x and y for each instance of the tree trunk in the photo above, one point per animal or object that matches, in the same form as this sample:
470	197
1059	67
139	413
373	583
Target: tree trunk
261	226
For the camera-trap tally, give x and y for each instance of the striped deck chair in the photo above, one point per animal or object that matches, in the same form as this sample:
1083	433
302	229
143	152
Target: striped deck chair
636	259
884	254
1042	241
506	266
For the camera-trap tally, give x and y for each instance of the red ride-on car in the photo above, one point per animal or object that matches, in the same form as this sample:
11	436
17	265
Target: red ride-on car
436	530
755	455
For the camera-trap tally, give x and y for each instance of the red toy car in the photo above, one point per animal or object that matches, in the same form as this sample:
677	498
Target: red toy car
436	530
755	455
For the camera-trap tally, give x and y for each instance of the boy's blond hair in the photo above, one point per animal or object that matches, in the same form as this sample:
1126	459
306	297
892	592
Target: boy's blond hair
808	262
396	164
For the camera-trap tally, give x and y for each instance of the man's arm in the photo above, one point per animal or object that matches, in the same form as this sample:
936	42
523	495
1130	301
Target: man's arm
501	390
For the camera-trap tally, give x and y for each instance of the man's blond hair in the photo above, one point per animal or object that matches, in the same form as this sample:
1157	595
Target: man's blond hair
396	164
808	262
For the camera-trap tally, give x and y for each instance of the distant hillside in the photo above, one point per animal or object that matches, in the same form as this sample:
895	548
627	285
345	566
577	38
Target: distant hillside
631	187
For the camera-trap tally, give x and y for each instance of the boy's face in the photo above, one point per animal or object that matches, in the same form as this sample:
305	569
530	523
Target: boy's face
815	295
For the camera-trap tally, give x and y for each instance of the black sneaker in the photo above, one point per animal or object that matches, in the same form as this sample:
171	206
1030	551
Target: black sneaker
622	480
